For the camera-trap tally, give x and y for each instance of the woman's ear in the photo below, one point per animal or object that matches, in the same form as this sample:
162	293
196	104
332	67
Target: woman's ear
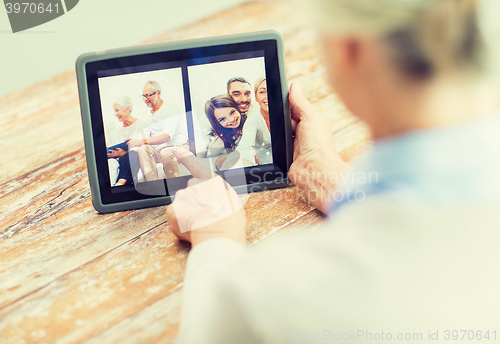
342	58
349	49
352	71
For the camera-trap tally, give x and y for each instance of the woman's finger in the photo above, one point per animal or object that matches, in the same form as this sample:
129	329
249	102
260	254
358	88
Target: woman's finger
194	181
197	168
294	126
173	223
296	148
299	105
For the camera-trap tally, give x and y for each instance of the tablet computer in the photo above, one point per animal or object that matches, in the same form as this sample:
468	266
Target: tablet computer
225	99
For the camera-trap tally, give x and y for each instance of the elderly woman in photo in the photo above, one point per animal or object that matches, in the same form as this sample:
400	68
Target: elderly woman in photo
118	132
415	258
227	123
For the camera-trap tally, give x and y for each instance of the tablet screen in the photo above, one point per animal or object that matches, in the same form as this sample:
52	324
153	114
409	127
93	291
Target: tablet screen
223	103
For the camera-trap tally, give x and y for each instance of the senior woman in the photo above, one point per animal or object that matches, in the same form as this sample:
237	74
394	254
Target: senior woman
117	132
416	259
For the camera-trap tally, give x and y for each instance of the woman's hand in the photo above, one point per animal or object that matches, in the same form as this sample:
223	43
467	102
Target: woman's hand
208	208
115	153
317	167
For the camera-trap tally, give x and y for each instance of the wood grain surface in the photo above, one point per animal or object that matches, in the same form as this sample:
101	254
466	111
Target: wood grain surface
69	274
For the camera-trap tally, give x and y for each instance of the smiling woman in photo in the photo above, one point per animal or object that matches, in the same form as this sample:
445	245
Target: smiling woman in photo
227	124
261	99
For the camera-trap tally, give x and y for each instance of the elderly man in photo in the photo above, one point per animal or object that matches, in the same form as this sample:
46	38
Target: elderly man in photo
156	143
241	91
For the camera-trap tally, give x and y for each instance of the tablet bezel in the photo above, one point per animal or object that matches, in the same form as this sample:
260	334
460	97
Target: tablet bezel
258	177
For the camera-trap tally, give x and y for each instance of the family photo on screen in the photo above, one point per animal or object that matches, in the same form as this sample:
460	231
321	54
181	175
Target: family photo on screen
145	120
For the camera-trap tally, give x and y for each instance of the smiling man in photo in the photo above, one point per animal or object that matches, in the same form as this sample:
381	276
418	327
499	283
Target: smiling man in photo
241	91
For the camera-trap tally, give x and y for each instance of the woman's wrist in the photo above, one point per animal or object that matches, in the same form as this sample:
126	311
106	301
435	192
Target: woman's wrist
318	174
232	227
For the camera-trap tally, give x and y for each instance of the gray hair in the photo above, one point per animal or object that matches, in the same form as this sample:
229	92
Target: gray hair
125	103
422	36
154	84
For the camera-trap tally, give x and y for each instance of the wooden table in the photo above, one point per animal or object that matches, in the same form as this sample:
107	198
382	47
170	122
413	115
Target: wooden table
69	274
